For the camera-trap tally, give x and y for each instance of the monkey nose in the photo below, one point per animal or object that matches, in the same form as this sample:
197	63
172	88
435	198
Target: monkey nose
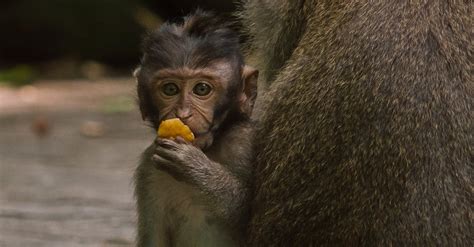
184	113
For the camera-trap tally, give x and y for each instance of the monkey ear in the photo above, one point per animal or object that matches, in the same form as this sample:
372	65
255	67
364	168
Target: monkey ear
137	71
249	90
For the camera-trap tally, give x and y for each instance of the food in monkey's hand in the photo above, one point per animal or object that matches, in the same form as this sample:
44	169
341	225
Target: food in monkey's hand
172	128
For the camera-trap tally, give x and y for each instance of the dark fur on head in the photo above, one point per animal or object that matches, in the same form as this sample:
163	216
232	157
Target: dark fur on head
200	39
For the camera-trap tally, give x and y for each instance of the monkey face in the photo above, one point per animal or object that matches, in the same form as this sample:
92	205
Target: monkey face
201	97
195	71
192	95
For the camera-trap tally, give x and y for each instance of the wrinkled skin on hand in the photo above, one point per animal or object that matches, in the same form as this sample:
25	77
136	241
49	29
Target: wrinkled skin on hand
181	159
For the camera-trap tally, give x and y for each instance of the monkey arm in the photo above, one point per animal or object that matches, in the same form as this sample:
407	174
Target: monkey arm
227	192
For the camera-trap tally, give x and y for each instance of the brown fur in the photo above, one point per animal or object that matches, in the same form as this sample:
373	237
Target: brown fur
367	136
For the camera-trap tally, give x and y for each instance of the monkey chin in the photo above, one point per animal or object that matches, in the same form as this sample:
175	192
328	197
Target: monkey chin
204	141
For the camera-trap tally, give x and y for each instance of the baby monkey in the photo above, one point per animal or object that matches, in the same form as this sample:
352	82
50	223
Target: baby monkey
195	194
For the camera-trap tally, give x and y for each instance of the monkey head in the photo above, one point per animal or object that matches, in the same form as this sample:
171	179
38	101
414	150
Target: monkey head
195	71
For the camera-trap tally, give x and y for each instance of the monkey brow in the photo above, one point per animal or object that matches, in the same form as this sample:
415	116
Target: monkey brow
184	73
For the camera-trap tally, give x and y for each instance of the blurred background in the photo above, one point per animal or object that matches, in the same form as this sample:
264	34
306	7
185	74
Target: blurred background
70	131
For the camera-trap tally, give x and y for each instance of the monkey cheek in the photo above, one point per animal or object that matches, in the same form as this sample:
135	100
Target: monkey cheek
203	137
200	122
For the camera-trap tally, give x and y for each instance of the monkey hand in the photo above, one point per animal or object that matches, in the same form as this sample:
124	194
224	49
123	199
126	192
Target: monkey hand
181	160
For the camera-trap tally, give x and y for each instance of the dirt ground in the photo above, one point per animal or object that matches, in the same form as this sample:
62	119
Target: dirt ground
67	155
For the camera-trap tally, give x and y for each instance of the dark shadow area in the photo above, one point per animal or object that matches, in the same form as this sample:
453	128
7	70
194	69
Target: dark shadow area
56	33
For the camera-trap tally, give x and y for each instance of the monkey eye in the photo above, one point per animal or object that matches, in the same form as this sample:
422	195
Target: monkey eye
170	89
202	89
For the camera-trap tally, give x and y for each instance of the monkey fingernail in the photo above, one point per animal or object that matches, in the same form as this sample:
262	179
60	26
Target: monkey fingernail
158	141
181	140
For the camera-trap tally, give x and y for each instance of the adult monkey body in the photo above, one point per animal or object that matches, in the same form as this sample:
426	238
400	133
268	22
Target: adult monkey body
195	194
367	132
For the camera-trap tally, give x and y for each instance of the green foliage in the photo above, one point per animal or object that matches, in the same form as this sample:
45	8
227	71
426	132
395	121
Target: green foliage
18	75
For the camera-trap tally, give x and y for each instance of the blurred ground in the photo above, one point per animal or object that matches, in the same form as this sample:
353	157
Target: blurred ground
68	150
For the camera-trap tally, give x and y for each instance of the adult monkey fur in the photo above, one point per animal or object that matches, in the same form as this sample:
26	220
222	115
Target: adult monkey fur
367	133
195	194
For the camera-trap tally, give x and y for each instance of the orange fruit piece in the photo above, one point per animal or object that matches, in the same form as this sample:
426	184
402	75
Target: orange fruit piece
171	128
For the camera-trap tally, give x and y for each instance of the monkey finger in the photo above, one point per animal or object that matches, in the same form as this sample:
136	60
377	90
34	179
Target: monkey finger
167	166
181	140
166	143
160	161
169	154
159	141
